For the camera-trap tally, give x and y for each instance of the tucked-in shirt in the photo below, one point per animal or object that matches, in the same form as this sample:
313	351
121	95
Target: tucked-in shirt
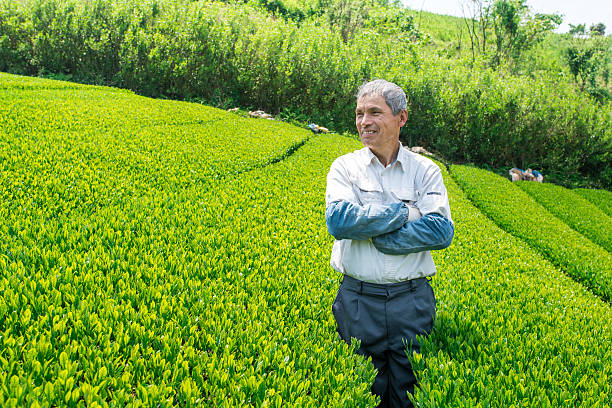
386	220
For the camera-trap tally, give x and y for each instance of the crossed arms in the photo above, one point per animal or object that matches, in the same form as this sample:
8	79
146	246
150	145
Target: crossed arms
387	226
393	228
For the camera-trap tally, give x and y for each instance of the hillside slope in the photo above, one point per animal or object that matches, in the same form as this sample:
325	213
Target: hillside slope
519	214
601	198
304	61
576	211
147	258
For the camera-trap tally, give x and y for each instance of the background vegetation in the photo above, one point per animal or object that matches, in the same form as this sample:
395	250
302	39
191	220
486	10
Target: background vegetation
557	239
497	89
146	259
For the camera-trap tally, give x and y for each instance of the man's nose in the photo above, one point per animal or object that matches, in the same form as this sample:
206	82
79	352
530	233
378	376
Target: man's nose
365	120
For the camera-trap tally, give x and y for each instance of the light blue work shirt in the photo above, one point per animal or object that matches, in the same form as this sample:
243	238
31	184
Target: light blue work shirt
386	220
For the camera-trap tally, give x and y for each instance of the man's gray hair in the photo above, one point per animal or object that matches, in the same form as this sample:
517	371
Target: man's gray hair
393	94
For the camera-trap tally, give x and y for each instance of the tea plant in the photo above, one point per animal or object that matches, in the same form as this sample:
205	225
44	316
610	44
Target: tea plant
518	213
574	210
511	328
149	258
601	198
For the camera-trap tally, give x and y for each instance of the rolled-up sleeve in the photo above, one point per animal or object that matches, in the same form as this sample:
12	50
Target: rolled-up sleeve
430	232
347	218
433	231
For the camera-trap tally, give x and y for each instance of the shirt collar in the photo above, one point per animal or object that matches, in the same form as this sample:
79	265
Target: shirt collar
368	157
402	157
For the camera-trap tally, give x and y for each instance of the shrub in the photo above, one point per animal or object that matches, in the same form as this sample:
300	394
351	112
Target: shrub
148	258
574	210
601	198
518	213
239	55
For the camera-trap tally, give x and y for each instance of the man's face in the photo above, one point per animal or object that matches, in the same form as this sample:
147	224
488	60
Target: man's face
378	128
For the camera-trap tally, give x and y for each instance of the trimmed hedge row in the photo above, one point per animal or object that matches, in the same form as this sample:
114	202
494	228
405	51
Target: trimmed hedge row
601	198
511	329
120	129
216	291
518	213
236	55
576	211
126	278
12	82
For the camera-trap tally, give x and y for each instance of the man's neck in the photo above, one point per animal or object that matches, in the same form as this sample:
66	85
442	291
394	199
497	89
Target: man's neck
387	156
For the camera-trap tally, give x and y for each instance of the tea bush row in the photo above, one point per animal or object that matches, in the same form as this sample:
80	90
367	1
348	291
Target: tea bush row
127	280
511	330
236	55
206	297
9	82
123	129
518	213
576	211
217	291
601	198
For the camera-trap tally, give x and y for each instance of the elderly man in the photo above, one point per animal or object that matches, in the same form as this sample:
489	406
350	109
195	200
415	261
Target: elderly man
387	208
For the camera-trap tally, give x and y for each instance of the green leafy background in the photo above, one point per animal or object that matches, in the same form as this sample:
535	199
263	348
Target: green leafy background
162	253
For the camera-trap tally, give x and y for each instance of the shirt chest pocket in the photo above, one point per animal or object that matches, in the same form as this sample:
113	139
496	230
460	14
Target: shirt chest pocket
368	191
407	194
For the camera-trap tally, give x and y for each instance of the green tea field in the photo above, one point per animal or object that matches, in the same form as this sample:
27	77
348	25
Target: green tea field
158	253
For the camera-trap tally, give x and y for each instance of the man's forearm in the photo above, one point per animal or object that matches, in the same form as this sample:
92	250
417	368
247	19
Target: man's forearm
432	231
346	220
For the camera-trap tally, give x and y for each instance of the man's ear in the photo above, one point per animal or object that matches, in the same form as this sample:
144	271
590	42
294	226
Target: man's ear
403	117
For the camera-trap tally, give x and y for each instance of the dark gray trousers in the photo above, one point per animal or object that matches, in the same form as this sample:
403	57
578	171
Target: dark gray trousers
386	318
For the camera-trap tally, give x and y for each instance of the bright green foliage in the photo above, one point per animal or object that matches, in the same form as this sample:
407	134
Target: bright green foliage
15	82
589	59
131	129
137	268
516	29
452	109
232	54
511	329
142	265
601	198
574	210
442	29
518	213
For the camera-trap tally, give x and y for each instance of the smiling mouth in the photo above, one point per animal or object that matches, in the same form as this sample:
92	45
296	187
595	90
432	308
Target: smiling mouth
368	132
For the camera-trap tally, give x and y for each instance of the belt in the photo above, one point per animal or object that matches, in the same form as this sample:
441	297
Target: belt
381	289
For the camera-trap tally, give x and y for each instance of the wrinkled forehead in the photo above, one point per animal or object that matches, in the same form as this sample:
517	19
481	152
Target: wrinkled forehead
371	101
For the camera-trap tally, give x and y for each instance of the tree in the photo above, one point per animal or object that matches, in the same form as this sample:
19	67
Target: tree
588	58
597	29
394	22
504	29
518	30
578	30
347	16
477	24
